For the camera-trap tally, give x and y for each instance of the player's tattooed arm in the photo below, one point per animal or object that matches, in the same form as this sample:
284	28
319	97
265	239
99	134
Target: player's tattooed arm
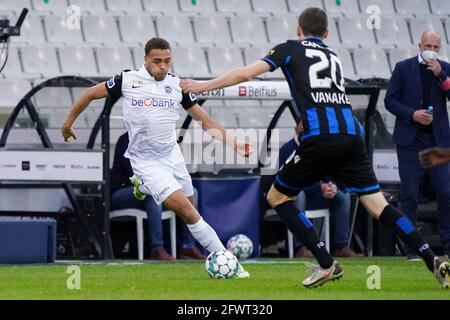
216	130
95	92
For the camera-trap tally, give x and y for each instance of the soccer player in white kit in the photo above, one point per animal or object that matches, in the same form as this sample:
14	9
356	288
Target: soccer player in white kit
151	99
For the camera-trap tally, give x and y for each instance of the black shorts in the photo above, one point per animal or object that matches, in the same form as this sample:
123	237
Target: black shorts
342	157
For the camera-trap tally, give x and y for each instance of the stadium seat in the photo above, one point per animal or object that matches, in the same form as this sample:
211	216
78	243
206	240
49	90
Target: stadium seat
239	7
371	63
397	55
412	7
137	29
359	101
225	118
40	60
254	119
388	117
55	7
138	57
347	63
31	32
271	106
355	32
207	30
12	91
209	104
53	97
255	54
162	7
77	61
419	25
202	7
444	54
224	59
238	106
14	6
386	6
12	68
286	120
393	32
248	31
270	7
113	60
440	7
297	6
100	29
91	6
189	62
447	27
347	8
313	214
333	35
58	33
140	215
271	215
280	29
95	104
126	6
176	29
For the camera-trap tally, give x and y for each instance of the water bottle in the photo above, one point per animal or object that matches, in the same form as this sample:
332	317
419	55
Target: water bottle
430	111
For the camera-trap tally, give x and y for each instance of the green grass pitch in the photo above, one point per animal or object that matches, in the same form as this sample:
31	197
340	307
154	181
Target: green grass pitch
275	279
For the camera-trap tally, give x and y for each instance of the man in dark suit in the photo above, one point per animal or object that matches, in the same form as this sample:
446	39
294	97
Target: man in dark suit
417	96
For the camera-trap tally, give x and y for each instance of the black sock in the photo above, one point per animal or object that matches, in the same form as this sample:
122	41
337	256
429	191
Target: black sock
303	229
402	227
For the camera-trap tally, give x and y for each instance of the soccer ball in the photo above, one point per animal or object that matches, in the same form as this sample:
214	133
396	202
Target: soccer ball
221	264
241	246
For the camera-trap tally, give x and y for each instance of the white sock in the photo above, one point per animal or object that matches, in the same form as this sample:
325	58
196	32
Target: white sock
206	235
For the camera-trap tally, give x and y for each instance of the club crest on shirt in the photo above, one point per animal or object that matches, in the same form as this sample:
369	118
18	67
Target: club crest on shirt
192	96
110	83
168	89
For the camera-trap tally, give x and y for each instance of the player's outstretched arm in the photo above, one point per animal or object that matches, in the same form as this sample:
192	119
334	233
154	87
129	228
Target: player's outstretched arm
215	129
228	79
434	156
95	92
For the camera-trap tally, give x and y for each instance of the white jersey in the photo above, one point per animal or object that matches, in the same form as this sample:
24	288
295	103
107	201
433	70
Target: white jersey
150	110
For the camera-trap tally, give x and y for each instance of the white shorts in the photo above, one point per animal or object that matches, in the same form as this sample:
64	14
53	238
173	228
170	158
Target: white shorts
162	177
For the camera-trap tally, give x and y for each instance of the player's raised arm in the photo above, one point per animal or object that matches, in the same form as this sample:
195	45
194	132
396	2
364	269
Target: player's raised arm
228	79
218	131
95	92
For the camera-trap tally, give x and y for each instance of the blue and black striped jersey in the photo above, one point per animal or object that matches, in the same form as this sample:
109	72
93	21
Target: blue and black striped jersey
316	80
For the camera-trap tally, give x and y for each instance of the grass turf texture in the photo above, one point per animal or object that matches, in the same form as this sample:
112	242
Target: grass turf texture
270	279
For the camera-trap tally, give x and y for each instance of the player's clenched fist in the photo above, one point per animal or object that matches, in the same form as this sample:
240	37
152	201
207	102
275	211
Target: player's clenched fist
67	132
245	149
189	85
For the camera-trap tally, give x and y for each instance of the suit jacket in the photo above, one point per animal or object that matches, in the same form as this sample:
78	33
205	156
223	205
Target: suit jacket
404	96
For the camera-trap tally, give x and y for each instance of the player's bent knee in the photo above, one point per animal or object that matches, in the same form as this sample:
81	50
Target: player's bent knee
374	203
275	198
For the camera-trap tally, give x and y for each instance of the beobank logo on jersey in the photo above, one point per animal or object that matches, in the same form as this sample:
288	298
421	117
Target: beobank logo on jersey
153	102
